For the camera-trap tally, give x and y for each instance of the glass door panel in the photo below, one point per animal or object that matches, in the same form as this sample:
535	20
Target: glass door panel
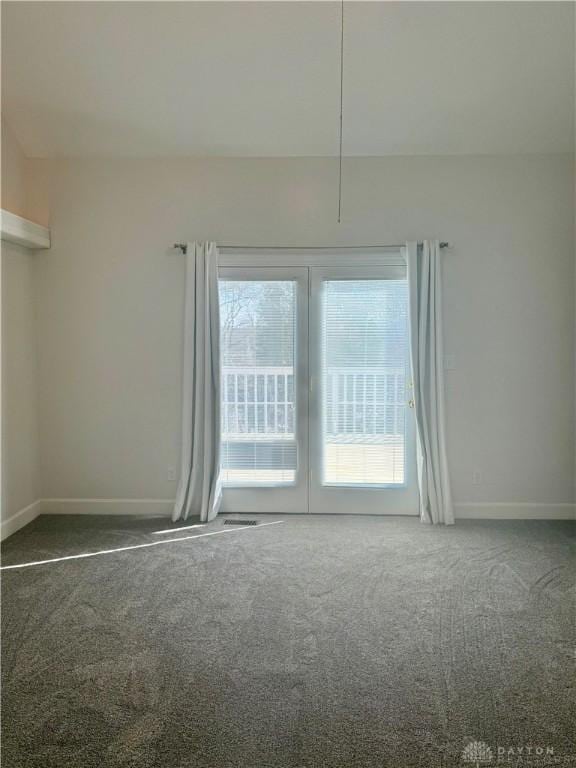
362	457
258	404
263	317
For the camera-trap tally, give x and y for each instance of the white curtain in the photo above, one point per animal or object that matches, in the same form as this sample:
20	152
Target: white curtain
426	356
199	489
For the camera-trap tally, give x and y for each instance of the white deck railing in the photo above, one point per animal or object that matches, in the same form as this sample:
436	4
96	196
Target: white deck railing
360	403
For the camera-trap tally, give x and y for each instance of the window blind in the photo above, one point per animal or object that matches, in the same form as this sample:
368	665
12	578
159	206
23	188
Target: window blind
364	366
257	320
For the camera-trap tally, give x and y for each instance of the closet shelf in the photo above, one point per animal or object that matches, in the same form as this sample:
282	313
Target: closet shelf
15	229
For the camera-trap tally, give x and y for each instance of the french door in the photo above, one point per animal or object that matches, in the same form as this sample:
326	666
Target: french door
315	390
264	389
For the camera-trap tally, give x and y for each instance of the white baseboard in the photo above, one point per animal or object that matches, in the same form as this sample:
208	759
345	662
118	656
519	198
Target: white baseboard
514	510
163	508
145	507
20	519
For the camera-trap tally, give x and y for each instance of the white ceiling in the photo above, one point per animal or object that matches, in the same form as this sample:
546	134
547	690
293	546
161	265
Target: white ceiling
262	78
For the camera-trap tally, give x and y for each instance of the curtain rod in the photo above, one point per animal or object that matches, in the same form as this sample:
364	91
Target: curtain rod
183	247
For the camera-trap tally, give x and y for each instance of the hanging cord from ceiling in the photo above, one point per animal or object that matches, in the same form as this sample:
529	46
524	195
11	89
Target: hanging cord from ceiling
341	109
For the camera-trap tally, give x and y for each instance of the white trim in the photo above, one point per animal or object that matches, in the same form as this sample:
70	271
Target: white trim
21	231
144	507
273	258
514	510
20	519
508	510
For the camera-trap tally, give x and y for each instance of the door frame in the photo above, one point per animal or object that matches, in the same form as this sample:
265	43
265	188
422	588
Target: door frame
304	265
280	498
347	499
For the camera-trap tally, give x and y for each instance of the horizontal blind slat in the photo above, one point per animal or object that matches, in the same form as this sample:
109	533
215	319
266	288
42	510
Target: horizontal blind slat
257	320
364	363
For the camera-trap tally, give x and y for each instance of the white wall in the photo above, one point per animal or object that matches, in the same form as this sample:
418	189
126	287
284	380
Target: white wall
20	476
110	303
13	173
24	181
20	439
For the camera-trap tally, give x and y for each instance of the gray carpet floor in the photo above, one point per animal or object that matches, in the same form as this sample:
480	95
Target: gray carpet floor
323	642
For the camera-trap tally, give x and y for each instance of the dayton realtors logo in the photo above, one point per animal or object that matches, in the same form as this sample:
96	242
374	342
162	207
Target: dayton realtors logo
478	753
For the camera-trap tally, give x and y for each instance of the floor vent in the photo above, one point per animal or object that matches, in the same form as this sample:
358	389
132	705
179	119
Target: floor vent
240	522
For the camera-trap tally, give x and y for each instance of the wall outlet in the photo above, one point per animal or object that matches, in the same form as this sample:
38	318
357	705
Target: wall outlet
171	475
477	477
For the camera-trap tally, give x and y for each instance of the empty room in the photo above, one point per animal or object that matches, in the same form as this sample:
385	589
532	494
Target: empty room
288	467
